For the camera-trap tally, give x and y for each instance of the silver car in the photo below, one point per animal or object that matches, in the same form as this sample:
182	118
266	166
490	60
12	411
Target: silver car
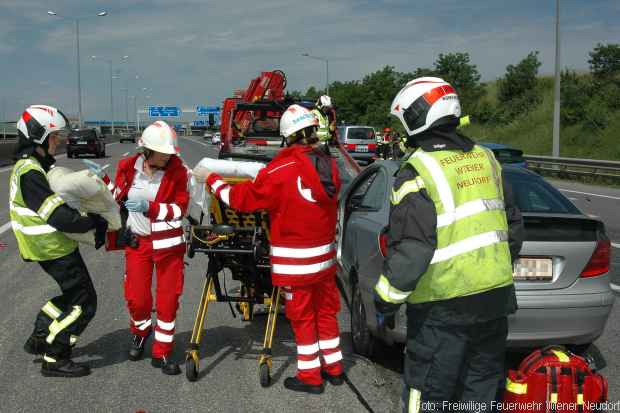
562	277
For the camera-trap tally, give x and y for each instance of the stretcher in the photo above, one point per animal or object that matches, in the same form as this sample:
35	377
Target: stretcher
238	242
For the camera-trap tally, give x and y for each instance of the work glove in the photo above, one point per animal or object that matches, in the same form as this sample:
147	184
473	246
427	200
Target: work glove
385	313
201	173
141	205
101	228
94	167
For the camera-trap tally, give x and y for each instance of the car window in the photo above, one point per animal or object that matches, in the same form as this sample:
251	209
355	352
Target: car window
361	133
371	193
509	155
536	195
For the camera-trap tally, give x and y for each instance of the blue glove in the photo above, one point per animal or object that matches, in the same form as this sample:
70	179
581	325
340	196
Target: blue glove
94	167
137	206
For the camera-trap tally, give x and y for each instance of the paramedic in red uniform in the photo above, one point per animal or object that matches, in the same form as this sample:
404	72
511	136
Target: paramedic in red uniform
299	189
153	186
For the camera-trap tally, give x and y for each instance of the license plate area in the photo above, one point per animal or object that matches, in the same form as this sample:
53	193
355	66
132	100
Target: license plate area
361	148
537	269
82	142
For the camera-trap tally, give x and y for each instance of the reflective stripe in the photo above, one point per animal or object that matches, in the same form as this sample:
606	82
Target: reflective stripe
24	212
165	225
580	399
333	357
281	166
167	243
443	187
390	294
405	189
414	401
308	350
176	211
554	398
225	195
561	356
329	344
468	209
516	388
301	252
73	340
468	245
164	338
217	184
48	206
165	325
57	326
111	186
307	365
143	325
49	359
302	269
163	211
33	230
51	310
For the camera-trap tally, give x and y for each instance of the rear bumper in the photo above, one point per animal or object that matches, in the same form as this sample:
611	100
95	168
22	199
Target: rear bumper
81	149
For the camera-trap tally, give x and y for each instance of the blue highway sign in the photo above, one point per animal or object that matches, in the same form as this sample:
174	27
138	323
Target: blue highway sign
164	111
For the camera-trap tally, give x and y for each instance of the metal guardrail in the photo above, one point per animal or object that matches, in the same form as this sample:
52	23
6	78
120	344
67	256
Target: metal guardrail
574	167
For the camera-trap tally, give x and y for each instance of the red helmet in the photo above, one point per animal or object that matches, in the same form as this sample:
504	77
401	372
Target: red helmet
387	130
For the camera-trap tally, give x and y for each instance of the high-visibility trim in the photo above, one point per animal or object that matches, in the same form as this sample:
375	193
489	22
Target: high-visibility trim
49	205
57	326
32	230
580	399
164	338
51	310
390	294
217	184
468	209
414	401
468	245
111	186
49	359
165	325
307	365
283	269
143	325
73	340
166	225
279	167
308	350
333	357
553	398
516	388
167	243
176	211
443	187
24	212
163	211
225	195
329	344
409	187
563	357
286	252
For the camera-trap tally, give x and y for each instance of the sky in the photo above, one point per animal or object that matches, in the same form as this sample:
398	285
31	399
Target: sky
194	52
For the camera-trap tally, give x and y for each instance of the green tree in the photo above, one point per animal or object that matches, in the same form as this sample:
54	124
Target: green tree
605	61
457	69
518	90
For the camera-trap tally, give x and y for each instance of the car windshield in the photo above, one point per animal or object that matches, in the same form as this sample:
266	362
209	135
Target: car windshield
86	134
533	194
361	133
509	155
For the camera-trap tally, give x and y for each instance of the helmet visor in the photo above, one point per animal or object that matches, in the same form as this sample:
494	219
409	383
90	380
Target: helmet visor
415	114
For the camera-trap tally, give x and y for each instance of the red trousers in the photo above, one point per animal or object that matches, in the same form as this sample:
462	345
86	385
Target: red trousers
312	312
138	282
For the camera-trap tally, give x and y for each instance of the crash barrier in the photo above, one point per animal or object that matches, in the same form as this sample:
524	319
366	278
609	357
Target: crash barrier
574	167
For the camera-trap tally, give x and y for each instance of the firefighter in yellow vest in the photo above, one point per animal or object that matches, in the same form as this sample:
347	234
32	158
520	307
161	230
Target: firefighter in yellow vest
454	232
39	217
324	112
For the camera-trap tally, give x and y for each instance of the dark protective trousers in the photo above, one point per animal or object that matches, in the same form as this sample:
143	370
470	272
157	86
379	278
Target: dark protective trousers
458	364
63	318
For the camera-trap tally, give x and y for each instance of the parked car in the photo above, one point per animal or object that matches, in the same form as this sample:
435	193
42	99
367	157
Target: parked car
216	139
359	141
506	155
562	277
128	136
85	141
207	135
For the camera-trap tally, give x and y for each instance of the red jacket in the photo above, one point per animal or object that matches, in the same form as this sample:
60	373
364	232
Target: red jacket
170	205
302	212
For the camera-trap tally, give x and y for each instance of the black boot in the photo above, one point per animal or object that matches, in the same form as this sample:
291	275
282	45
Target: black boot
293	383
166	365
35	344
63	368
334	380
137	347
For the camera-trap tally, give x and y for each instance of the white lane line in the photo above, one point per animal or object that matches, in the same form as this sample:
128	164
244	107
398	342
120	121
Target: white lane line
5	227
199	143
588	193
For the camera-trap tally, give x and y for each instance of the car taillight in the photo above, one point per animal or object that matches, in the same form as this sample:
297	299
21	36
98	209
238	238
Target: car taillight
372	147
350	147
383	242
600	260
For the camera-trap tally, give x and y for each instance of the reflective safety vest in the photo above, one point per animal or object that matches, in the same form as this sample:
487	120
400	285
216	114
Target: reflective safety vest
323	129
472	254
37	241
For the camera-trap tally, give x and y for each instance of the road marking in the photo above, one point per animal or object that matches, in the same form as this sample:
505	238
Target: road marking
199	143
5	227
573	199
588	193
615	245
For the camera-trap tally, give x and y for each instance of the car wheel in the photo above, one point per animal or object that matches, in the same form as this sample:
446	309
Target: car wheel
363	341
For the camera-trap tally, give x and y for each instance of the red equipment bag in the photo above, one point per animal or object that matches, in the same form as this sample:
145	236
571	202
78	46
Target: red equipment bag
554	380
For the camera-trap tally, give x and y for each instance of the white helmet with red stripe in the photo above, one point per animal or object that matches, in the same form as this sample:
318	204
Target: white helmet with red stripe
324	102
38	121
160	137
296	118
425	101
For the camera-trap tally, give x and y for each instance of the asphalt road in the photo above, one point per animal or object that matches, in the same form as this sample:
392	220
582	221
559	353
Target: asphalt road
229	367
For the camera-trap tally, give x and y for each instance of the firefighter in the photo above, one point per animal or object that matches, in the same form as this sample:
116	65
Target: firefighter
454	232
39	217
384	145
299	189
153	186
324	112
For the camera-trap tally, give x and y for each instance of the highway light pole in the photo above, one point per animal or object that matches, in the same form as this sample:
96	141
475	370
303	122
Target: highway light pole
77	43
556	100
112	77
323	59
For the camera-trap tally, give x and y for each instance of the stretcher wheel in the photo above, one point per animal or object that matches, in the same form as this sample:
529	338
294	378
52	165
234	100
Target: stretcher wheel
191	369
264	375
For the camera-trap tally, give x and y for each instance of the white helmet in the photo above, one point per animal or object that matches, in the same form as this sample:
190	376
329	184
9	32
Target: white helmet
296	118
38	121
324	102
160	137
424	101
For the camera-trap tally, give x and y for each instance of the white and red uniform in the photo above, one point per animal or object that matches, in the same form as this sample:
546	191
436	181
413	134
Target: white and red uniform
302	207
163	248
